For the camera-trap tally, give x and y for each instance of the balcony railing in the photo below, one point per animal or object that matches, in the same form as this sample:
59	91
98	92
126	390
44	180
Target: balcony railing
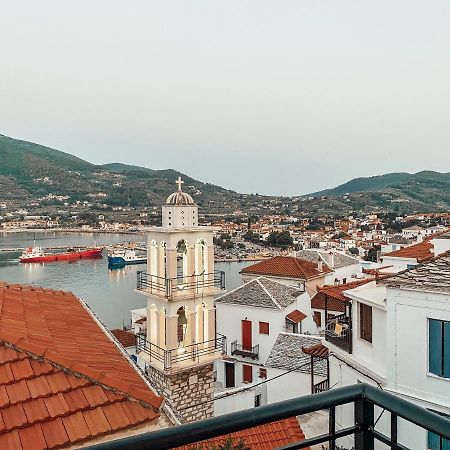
246	352
364	398
170	287
321	387
338	331
193	352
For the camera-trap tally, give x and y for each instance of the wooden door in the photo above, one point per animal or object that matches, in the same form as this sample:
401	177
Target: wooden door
246	335
229	375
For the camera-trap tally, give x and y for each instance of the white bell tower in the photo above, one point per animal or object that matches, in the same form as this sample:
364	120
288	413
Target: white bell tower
180	283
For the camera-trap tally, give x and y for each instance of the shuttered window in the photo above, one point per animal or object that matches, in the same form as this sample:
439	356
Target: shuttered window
318	318
365	322
439	347
263	327
247	373
262	373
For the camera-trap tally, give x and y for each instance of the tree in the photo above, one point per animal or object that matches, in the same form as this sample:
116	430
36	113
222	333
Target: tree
280	239
353	251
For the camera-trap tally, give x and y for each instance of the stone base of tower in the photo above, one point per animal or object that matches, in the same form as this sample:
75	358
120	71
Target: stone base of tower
185	389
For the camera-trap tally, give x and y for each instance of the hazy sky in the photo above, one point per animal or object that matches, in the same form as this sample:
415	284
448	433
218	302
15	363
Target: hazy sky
275	97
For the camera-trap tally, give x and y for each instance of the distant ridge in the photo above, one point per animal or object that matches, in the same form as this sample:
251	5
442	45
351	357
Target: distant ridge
379	182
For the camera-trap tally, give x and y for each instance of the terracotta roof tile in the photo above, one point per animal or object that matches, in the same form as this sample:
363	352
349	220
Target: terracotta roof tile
287	266
423	251
296	316
32	438
76	386
318	350
262	437
125	337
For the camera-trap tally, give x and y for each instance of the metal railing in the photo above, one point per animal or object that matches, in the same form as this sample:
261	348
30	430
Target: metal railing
363	396
240	350
193	352
322	386
191	284
342	339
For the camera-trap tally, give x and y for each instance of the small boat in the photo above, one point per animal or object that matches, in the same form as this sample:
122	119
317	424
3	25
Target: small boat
37	254
124	256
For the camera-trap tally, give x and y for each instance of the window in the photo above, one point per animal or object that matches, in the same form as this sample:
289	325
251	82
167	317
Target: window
257	400
365	322
263	327
439	347
262	373
229	375
247	373
318	318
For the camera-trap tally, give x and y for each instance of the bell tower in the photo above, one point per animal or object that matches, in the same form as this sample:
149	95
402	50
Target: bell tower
180	283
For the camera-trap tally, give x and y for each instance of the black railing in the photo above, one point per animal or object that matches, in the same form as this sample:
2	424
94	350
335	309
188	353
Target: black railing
240	350
364	398
322	386
193	352
191	284
338	331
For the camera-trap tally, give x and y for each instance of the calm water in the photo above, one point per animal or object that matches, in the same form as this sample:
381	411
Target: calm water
110	293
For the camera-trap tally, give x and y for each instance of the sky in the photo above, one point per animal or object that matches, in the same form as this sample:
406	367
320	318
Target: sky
280	97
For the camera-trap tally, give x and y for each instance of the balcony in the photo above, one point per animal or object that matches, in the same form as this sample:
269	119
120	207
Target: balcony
193	285
246	352
338	332
321	387
185	355
366	436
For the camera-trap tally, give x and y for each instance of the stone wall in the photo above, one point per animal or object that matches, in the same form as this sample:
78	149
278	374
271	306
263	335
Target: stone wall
183	390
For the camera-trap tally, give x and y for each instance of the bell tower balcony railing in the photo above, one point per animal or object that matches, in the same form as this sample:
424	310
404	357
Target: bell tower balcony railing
187	353
183	285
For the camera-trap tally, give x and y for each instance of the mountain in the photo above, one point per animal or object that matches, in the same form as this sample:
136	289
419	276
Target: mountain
33	171
403	192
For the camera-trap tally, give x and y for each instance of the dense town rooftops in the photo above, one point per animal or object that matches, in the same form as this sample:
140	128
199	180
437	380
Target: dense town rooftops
422	251
263	293
287	266
262	437
63	380
433	275
287	354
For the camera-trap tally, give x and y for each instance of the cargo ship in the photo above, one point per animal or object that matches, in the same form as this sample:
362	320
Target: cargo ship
37	254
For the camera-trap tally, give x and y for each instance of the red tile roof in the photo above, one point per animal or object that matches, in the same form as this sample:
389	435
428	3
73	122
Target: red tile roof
62	379
422	251
262	437
125	337
318	350
336	297
287	266
296	316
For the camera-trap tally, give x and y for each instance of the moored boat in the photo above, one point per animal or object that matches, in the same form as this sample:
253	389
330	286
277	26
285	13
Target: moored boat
125	256
37	254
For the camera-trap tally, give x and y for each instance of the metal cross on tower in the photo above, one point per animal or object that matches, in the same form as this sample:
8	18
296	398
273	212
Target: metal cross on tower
179	182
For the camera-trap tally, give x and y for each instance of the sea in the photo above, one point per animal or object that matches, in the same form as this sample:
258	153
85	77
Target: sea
110	293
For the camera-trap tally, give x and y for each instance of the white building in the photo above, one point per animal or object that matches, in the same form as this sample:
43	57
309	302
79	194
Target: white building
260	318
396	336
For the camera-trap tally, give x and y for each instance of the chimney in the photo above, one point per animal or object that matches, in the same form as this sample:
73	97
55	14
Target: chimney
319	264
332	260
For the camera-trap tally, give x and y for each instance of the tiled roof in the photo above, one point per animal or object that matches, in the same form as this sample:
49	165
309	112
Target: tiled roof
62	378
336	291
287	266
263	437
125	337
318	302
422	251
335	260
318	350
263	293
287	354
433	275
296	316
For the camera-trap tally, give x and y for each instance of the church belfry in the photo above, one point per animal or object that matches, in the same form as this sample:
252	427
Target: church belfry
180	283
